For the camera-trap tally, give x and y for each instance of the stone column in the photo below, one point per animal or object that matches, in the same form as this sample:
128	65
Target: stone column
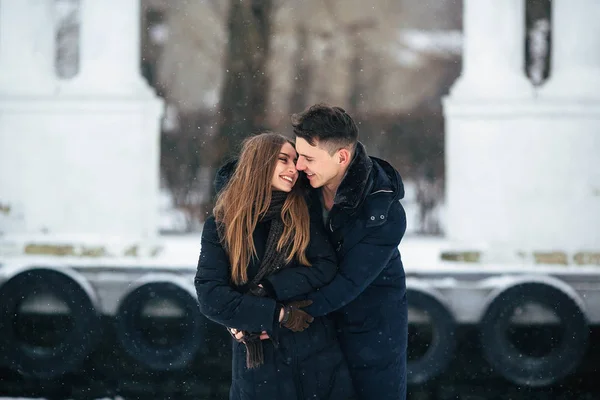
110	47
27	45
575	65
82	160
493	50
522	171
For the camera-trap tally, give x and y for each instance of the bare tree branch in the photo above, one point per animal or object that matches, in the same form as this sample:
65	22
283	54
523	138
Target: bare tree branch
277	4
330	7
219	8
353	27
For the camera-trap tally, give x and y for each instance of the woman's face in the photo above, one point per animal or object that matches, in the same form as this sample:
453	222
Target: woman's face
286	174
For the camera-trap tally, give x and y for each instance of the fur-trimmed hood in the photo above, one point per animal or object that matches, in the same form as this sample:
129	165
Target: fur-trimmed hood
367	175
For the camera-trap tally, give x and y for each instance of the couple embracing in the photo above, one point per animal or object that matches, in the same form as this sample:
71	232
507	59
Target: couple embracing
300	262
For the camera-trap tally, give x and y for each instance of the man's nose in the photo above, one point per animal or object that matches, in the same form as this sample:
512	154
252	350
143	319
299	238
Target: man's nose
300	165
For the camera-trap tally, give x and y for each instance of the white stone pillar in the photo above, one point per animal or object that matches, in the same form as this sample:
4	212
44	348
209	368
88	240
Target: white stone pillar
522	171
575	66
110	47
27	44
493	50
84	159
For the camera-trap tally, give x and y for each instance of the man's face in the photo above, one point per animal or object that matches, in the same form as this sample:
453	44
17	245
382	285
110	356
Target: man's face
320	167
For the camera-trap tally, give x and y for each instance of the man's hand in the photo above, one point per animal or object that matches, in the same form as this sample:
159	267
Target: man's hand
239	335
294	318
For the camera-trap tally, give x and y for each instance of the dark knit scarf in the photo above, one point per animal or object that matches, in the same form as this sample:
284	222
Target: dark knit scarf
271	262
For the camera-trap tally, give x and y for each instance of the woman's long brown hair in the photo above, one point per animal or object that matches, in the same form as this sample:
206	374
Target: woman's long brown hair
246	198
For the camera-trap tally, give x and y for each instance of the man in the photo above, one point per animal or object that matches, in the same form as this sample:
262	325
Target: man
357	197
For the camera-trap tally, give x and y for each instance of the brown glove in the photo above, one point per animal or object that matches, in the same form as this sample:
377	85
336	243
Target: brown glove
294	318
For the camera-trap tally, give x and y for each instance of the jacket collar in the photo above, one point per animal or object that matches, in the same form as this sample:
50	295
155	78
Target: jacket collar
367	175
357	182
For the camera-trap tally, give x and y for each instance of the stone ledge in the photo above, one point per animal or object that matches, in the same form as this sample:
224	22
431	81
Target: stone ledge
535	257
88	250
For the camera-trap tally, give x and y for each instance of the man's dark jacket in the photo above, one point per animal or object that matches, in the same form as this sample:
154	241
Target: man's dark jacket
368	295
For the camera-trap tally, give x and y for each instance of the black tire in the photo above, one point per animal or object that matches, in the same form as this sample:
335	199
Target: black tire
521	368
131	333
440	350
66	351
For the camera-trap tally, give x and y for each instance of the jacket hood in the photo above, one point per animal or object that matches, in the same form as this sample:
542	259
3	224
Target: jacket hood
224	174
367	175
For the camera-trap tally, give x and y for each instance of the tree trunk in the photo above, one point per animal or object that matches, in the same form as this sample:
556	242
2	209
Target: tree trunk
298	100
244	97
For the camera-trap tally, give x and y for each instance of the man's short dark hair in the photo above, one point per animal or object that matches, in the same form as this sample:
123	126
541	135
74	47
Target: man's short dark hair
330	126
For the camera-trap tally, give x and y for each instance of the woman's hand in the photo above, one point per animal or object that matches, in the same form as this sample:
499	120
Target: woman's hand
239	335
257	290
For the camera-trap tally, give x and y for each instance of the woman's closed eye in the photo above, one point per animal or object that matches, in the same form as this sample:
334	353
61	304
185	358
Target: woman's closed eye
286	160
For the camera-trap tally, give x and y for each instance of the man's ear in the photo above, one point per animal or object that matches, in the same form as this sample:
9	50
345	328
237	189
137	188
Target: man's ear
343	156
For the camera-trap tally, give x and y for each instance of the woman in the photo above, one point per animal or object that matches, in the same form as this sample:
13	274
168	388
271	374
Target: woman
261	224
